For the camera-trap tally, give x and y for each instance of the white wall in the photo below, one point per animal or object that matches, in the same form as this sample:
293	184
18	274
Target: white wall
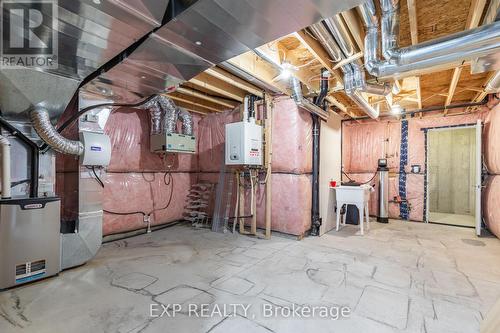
329	168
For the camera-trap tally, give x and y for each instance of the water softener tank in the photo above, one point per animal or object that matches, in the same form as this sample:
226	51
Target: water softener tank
383	191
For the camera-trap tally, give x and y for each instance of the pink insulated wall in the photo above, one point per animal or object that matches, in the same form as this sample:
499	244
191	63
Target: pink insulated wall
364	142
137	180
491	194
292	164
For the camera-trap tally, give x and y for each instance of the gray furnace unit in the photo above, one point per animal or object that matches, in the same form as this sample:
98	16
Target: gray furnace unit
30	244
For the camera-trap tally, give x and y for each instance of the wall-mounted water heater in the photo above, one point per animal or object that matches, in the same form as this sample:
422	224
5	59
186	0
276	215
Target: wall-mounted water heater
244	143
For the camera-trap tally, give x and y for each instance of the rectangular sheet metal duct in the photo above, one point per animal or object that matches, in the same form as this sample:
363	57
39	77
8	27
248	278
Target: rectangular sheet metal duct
207	33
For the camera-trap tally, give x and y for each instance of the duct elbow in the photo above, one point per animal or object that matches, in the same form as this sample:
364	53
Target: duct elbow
187	122
40	120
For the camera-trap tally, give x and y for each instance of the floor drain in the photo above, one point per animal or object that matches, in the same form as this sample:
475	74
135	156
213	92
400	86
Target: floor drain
473	242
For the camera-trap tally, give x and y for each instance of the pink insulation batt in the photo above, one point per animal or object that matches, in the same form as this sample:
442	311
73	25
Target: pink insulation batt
362	146
492	141
129	130
291	204
143	192
491	205
416	137
135	176
292	138
211	139
365	142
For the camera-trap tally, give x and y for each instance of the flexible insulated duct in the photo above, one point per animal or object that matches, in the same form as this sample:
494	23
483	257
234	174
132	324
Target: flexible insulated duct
187	122
165	114
40	120
423	57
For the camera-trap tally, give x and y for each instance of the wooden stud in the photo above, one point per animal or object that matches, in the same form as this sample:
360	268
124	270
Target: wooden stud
269	157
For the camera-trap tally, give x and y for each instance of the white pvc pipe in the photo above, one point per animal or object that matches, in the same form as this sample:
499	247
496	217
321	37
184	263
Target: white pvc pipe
245	108
5	149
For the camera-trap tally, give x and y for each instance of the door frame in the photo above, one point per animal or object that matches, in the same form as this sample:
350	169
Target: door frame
477	185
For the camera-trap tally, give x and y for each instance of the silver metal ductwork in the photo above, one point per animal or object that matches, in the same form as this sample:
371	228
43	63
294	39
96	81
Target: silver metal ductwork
339	46
447	51
40	120
89	34
493	85
209	32
303	102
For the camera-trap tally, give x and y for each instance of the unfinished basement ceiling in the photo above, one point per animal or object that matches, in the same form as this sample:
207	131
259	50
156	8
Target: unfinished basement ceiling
428	20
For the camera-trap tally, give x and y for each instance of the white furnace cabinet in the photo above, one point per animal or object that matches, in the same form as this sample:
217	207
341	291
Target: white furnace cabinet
244	144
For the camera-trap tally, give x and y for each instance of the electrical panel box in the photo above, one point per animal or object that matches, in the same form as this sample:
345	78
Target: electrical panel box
173	143
244	144
97	148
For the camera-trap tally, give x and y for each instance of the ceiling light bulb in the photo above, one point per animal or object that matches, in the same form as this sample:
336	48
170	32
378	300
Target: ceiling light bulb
396	109
286	73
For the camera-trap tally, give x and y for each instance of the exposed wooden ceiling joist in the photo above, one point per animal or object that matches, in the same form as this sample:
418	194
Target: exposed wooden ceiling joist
318	52
225	76
261	69
475	13
218	86
412	16
201	95
194	101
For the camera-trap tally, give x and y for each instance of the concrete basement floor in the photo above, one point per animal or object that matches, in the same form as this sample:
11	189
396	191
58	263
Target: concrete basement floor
400	277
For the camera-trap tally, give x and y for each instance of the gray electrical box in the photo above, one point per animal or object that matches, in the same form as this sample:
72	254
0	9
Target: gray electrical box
30	245
173	143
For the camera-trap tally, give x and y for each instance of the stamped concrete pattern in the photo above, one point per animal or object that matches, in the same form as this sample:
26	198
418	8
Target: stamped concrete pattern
400	277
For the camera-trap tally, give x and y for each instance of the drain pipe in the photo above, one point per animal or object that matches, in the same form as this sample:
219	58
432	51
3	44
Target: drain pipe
6	183
316	128
41	123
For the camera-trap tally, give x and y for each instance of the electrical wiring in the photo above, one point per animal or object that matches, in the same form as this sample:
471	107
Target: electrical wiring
96	177
352	180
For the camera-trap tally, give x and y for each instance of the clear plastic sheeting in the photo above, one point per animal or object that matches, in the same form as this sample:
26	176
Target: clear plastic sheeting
492	141
414	194
416	136
143	192
491	208
365	142
291	204
292	138
211	140
128	129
